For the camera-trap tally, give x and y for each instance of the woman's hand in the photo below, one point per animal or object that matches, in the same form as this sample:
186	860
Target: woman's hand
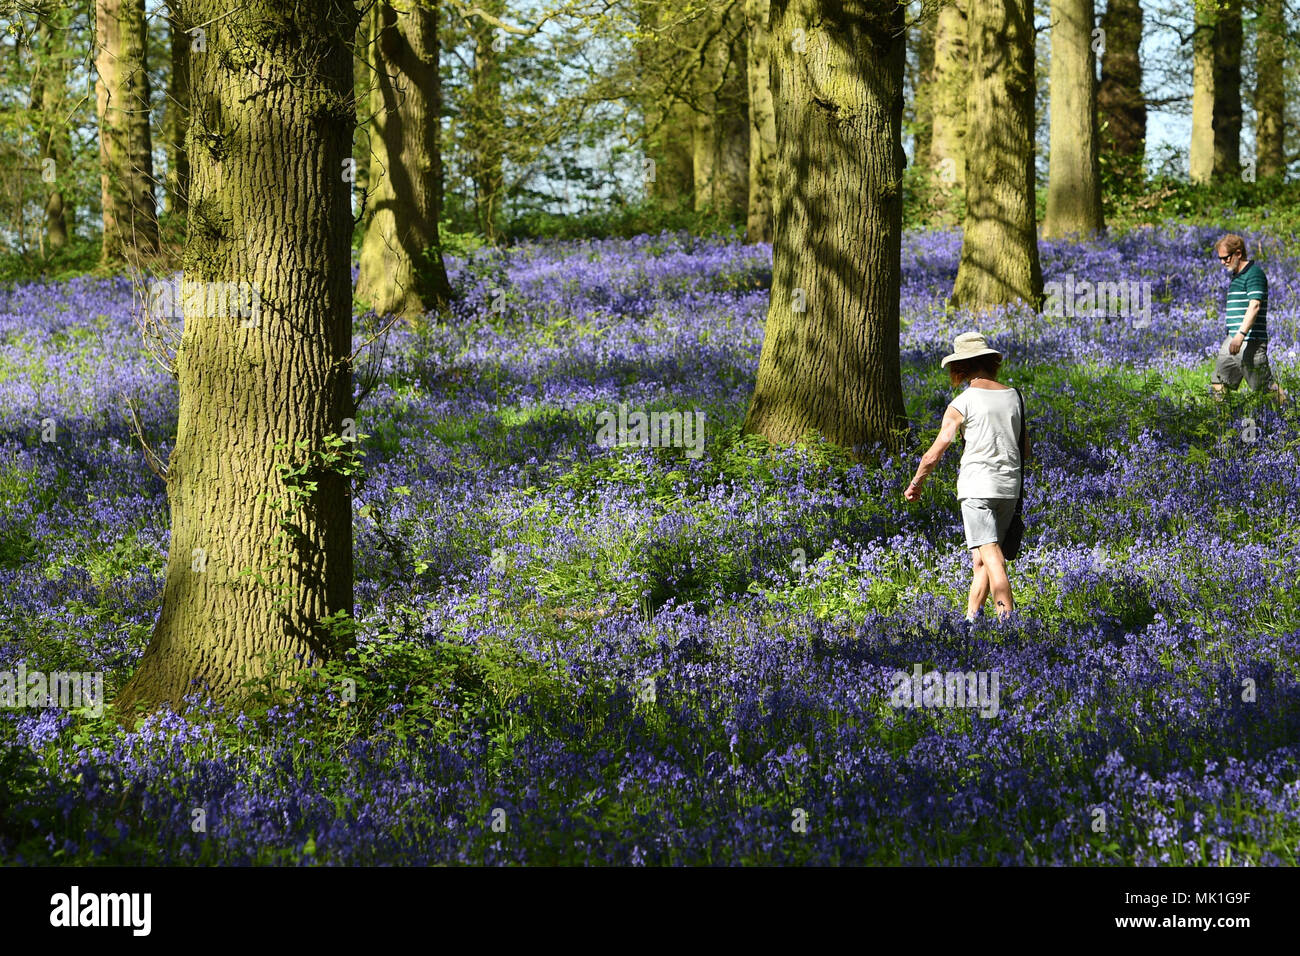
913	491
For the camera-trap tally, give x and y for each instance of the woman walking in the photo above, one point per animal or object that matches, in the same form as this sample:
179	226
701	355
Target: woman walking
989	482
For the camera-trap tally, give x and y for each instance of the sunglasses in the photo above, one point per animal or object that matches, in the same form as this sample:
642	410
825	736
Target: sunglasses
1227	257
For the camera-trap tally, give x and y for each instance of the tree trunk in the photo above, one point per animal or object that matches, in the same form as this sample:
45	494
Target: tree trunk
1227	92
1074	180
261	554
487	163
1120	100
176	115
721	140
762	123
669	122
125	150
1270	98
48	97
830	359
402	270
922	88
948	107
999	249
1200	155
1216	93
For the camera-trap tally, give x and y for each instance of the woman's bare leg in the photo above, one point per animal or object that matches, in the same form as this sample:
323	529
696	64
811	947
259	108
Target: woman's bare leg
979	586
995	566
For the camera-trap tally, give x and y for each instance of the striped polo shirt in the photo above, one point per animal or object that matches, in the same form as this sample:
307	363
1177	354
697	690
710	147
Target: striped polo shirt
1249	283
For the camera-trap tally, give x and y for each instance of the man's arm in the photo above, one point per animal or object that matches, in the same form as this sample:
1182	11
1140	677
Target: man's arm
952	420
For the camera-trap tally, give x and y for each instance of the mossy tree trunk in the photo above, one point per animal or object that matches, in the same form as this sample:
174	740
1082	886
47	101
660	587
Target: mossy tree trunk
1074	178
401	268
260	559
48	97
830	359
762	122
1216	92
125	145
722	137
947	103
999	251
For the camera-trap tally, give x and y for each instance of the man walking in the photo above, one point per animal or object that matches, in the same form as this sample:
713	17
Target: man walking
1244	353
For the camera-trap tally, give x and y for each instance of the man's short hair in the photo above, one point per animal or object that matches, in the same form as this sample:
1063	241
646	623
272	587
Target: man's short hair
1230	244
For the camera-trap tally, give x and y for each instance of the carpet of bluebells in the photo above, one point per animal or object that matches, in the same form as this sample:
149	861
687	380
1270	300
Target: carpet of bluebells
570	653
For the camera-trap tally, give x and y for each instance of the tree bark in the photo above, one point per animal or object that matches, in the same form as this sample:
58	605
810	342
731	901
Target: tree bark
999	250
1200	155
260	557
1074	178
948	107
401	268
830	361
176	114
125	149
762	122
1120	100
1270	96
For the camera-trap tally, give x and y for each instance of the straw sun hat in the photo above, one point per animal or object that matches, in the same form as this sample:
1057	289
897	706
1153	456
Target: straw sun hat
968	345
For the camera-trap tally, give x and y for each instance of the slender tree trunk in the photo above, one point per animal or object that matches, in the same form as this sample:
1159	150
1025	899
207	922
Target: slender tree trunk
261	555
721	140
1270	97
669	122
402	270
1074	180
830	359
125	151
1120	100
1200	157
488	162
923	88
999	249
176	114
762	123
1227	92
948	107
48	97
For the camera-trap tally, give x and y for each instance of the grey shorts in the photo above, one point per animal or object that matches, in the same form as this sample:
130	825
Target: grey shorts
1250	363
986	519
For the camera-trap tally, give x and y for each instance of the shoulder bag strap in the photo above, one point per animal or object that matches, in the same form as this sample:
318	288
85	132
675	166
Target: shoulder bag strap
1020	398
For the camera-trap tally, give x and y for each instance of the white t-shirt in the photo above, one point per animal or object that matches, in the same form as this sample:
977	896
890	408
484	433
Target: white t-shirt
990	464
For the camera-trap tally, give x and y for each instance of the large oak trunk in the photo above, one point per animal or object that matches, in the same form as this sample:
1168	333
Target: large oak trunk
999	250
830	359
259	557
401	268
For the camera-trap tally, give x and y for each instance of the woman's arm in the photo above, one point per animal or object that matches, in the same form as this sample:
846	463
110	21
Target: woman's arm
952	420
